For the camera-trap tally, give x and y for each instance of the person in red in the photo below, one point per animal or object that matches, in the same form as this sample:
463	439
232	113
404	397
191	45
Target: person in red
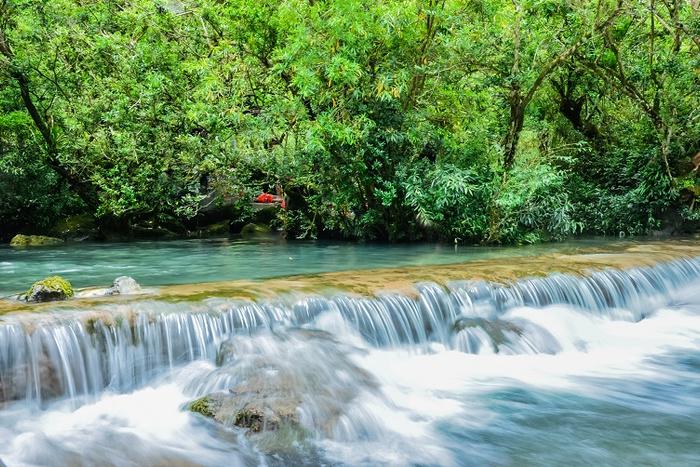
269	198
265	198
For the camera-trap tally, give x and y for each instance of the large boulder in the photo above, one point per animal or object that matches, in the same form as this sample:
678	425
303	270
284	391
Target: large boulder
281	386
34	240
50	289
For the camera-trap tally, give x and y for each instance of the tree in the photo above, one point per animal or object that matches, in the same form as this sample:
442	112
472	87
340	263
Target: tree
14	69
521	44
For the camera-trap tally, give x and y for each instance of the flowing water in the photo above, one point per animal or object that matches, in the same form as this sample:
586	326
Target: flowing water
601	369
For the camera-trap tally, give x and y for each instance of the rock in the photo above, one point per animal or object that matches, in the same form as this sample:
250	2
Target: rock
50	289
124	285
496	328
206	406
226	352
277	391
78	227
264	213
255	410
518	336
27	377
220	228
254	230
149	230
257	413
34	240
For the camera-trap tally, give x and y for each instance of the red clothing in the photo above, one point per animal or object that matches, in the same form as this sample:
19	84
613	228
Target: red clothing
265	198
268	198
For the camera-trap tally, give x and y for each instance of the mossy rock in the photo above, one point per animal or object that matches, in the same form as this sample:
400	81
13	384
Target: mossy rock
50	289
256	412
252	418
254	230
75	226
203	406
265	213
220	228
150	230
34	240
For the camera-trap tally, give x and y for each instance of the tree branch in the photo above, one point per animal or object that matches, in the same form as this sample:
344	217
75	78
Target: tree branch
561	57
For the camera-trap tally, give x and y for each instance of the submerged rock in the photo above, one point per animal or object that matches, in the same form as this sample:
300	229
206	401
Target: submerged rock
256	412
496	329
42	379
34	240
281	387
518	336
50	289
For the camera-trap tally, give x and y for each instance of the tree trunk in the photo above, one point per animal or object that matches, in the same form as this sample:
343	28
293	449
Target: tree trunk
515	127
571	107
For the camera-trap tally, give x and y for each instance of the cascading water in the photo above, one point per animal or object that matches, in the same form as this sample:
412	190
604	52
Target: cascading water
77	354
74	361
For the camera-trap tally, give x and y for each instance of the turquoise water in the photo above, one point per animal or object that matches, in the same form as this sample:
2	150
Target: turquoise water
195	261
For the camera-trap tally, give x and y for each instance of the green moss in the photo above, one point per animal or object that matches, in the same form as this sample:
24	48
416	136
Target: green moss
220	228
251	230
252	418
34	240
202	406
118	321
51	288
74	225
90	325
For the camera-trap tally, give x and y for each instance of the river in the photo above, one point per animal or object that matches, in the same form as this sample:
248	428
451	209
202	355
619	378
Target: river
601	368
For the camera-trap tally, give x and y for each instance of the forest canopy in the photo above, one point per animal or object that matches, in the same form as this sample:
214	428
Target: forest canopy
503	121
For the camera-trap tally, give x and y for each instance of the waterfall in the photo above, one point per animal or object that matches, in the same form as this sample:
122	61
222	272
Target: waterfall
74	354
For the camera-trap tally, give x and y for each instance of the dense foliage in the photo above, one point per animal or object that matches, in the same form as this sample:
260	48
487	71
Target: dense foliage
482	120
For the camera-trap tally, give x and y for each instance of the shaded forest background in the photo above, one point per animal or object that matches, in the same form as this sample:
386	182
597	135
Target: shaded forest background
503	121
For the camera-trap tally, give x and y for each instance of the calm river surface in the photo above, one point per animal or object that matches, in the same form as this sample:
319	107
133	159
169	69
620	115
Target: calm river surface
597	370
195	261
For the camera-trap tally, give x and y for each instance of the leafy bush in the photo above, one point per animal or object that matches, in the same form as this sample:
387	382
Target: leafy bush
532	205
448	200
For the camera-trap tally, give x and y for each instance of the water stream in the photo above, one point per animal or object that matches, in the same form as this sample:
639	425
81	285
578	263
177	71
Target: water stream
602	369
